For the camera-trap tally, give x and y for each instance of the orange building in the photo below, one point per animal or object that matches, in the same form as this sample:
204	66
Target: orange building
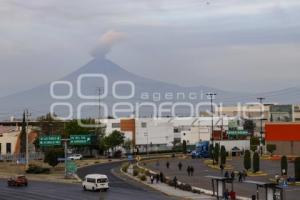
286	137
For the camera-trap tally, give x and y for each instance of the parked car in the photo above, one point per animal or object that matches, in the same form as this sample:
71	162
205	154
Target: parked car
17	181
75	157
95	182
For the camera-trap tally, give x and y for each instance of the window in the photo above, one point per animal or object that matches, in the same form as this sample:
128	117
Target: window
115	125
8	148
90	180
144	125
102	180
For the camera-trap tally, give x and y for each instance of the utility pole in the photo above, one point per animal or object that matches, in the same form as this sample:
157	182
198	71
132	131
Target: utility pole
99	92
27	114
65	141
261	99
211	96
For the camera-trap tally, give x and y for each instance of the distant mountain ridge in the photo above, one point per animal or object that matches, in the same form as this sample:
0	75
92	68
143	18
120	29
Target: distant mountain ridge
39	100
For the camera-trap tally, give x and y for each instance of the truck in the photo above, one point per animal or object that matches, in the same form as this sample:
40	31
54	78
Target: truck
201	150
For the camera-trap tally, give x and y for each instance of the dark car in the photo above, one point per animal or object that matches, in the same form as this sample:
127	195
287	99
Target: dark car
17	181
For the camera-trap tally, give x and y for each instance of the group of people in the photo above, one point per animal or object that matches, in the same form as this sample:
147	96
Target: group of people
230	194
157	177
241	175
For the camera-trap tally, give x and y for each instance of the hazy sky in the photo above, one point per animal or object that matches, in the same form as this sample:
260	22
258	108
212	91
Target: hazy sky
229	44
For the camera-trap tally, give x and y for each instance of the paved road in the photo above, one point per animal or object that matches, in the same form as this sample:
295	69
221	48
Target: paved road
58	191
121	189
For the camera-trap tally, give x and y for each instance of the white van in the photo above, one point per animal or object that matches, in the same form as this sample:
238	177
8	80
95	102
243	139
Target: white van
95	182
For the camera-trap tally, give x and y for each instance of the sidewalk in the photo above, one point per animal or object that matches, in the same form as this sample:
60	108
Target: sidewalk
170	191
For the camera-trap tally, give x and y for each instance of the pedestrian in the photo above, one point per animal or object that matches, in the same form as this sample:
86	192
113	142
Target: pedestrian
232	195
162	177
277	178
168	165
192	170
244	175
226	175
222	169
226	195
240	176
232	175
175	182
188	170
152	178
157	178
179	166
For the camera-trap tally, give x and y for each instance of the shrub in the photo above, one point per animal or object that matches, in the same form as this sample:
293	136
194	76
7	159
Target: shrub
51	156
125	167
223	155
256	162
271	148
135	172
216	152
143	177
297	169
184	148
247	160
34	169
284	164
185	187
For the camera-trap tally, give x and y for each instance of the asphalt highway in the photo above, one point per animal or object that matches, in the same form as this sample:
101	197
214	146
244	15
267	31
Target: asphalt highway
120	189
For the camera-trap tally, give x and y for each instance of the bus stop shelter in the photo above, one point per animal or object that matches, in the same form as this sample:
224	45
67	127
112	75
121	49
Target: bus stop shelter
272	190
219	185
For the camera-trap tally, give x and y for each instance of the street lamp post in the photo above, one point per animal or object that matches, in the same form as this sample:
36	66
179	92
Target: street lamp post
147	137
261	99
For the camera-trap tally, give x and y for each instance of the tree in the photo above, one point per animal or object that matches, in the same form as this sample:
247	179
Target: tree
52	155
297	168
223	155
271	148
211	151
115	139
217	152
247	160
256	162
184	148
127	145
254	142
284	164
23	136
249	126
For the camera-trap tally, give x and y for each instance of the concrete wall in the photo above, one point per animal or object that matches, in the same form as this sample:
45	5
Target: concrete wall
286	147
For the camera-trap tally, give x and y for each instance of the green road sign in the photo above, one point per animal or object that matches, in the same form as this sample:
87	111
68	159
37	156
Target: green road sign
71	167
238	133
80	139
51	140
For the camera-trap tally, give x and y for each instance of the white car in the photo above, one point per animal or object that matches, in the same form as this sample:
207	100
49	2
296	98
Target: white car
95	182
75	157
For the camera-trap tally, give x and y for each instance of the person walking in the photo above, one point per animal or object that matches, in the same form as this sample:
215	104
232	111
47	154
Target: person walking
226	175
179	166
168	165
226	195
152	178
192	170
232	175
188	170
244	175
175	182
222	169
240	175
157	178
